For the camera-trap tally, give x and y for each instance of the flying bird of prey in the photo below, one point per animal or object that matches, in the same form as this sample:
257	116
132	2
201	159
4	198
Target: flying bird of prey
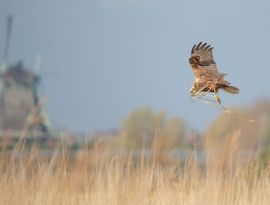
207	77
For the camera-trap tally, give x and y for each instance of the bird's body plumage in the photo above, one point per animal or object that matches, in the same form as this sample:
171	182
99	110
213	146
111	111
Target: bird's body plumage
207	76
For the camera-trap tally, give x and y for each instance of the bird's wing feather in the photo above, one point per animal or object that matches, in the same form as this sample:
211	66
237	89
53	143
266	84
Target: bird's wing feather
206	66
209	70
204	51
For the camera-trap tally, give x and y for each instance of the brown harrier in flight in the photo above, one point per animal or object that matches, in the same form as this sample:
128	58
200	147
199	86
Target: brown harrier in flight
207	77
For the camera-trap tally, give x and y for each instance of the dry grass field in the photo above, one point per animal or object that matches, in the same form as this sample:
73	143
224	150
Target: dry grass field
93	176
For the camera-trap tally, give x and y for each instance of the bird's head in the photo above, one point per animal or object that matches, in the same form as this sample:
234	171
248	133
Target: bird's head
194	60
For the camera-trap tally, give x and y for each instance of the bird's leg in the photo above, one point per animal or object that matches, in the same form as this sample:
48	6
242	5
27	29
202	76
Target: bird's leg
216	93
217	97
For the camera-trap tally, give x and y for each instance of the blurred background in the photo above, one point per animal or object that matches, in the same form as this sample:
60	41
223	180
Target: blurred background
118	70
95	102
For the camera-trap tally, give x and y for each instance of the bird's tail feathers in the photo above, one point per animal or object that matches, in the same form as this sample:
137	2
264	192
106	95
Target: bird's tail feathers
230	89
226	86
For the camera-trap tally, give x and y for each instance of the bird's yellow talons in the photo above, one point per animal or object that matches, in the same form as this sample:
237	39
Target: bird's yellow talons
218	99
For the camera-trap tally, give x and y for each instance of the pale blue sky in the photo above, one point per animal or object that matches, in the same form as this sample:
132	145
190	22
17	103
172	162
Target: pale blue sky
104	58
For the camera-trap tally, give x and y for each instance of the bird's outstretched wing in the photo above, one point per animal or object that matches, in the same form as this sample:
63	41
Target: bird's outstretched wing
204	51
202	62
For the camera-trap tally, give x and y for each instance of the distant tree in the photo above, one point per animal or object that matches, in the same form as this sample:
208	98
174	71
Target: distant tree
253	138
172	133
143	125
263	107
140	125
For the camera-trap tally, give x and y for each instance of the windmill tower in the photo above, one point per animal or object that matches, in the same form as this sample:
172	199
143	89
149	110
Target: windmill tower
18	94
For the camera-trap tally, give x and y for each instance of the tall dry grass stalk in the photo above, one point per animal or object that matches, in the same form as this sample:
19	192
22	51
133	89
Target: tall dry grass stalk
94	176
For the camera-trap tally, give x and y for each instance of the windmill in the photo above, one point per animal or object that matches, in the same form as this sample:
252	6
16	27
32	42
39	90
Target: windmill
19	100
